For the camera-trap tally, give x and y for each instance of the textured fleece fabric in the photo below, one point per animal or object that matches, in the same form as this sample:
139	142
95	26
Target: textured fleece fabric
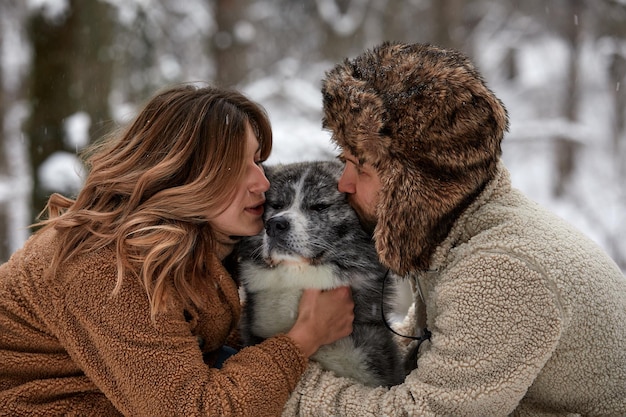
69	347
528	318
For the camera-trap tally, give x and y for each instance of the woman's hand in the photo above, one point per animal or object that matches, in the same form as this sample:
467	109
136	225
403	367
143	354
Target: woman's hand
323	317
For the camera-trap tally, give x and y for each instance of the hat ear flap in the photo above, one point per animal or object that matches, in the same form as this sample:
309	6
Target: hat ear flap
414	213
402	226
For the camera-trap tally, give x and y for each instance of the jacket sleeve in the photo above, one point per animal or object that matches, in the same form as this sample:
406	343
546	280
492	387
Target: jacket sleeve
495	320
148	370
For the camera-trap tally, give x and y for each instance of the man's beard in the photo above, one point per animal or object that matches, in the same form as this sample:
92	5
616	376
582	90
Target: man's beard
367	220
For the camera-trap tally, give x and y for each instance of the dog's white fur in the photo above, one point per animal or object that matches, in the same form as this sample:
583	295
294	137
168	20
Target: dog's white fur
313	239
277	310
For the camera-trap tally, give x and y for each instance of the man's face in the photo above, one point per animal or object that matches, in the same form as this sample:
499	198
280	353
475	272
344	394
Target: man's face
362	184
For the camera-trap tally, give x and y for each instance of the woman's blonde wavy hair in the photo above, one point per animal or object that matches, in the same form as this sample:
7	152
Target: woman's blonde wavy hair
152	186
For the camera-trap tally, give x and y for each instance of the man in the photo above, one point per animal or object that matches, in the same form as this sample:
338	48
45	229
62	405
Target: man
526	316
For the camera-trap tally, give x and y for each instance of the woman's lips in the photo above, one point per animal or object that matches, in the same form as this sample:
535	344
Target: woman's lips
256	210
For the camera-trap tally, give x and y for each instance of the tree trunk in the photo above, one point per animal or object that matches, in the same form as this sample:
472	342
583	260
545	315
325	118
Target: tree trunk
49	93
93	65
229	52
341	23
71	71
617	77
448	16
566	147
4	166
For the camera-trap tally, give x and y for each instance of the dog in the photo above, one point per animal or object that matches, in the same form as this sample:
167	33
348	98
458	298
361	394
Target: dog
313	239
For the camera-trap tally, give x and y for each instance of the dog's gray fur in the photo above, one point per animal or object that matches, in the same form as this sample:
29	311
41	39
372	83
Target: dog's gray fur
313	239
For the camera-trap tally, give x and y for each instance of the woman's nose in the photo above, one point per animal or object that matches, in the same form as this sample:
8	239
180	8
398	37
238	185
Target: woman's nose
260	183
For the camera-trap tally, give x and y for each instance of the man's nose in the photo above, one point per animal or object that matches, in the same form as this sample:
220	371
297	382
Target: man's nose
346	182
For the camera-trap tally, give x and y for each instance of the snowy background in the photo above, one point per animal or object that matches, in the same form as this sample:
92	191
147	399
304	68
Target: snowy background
596	197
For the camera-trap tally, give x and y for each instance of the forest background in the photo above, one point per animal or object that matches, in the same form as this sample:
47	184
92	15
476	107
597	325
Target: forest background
72	70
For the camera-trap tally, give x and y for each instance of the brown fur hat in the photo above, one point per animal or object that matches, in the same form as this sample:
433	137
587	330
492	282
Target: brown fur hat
426	121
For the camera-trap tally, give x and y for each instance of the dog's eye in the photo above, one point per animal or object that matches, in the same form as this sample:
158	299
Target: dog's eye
319	207
275	205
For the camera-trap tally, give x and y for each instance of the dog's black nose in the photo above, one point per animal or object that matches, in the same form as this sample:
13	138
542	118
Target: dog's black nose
276	225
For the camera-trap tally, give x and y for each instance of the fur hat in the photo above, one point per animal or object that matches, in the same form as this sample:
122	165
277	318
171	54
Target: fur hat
426	121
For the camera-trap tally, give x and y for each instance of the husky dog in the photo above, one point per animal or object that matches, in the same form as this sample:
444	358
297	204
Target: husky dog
313	239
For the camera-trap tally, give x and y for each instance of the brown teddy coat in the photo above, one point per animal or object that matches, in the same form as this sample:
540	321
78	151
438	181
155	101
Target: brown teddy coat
69	347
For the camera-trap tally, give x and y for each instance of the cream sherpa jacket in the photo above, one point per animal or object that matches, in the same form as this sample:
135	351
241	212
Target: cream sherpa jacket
68	347
528	318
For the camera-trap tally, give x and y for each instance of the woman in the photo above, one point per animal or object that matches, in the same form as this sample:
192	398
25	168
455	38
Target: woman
120	303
